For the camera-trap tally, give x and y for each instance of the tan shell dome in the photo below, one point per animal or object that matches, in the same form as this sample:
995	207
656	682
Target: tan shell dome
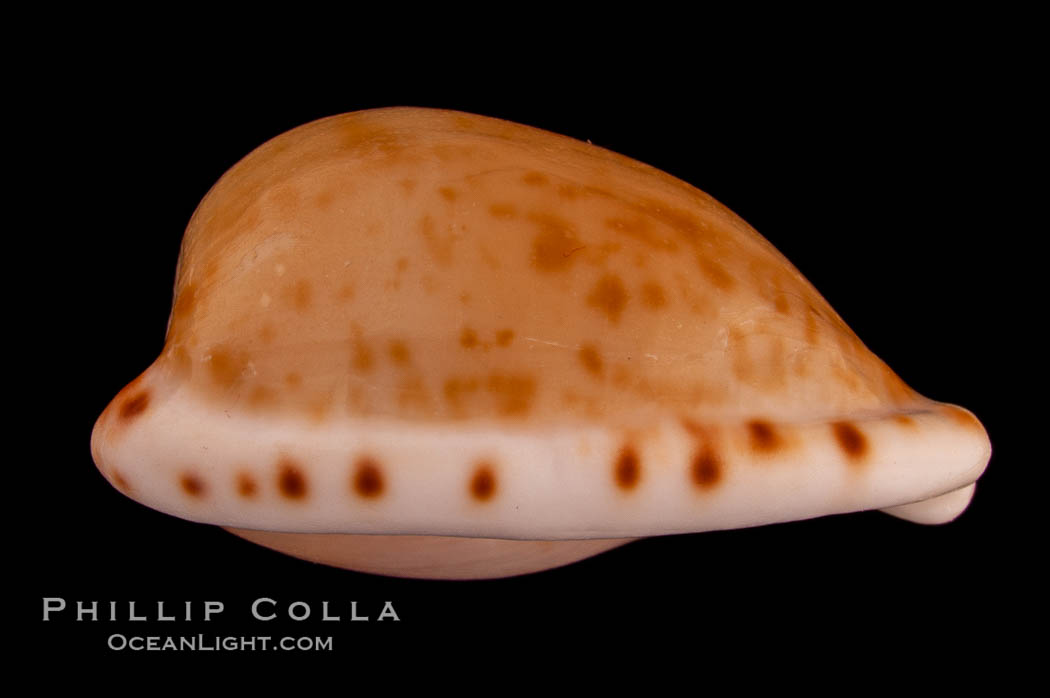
380	264
413	321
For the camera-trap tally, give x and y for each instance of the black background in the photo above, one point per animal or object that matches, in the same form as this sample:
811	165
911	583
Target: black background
872	173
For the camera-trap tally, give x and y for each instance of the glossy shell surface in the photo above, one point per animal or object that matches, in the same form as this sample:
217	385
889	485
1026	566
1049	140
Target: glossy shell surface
414	321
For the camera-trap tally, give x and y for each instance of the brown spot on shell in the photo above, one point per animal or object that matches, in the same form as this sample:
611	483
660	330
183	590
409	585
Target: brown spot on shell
468	338
399	353
781	303
653	295
372	139
553	247
764	436
291	482
706	469
591	359
851	439
368	478
134	405
609	296
293	379
483	483
457	389
504	337
302	295
192	484
246	485
503	210
409	185
715	272
447	193
627	471
535	179
226	367
905	420
362	356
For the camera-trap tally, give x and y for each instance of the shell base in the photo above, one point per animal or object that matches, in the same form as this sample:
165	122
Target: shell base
430	557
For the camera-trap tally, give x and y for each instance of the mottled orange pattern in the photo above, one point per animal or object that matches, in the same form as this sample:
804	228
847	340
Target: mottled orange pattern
429	265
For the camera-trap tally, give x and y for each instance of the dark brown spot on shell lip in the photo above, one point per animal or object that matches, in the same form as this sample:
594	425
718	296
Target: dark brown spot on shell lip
134	405
192	485
483	483
246	486
628	470
368	479
851	440
290	480
764	436
706	470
